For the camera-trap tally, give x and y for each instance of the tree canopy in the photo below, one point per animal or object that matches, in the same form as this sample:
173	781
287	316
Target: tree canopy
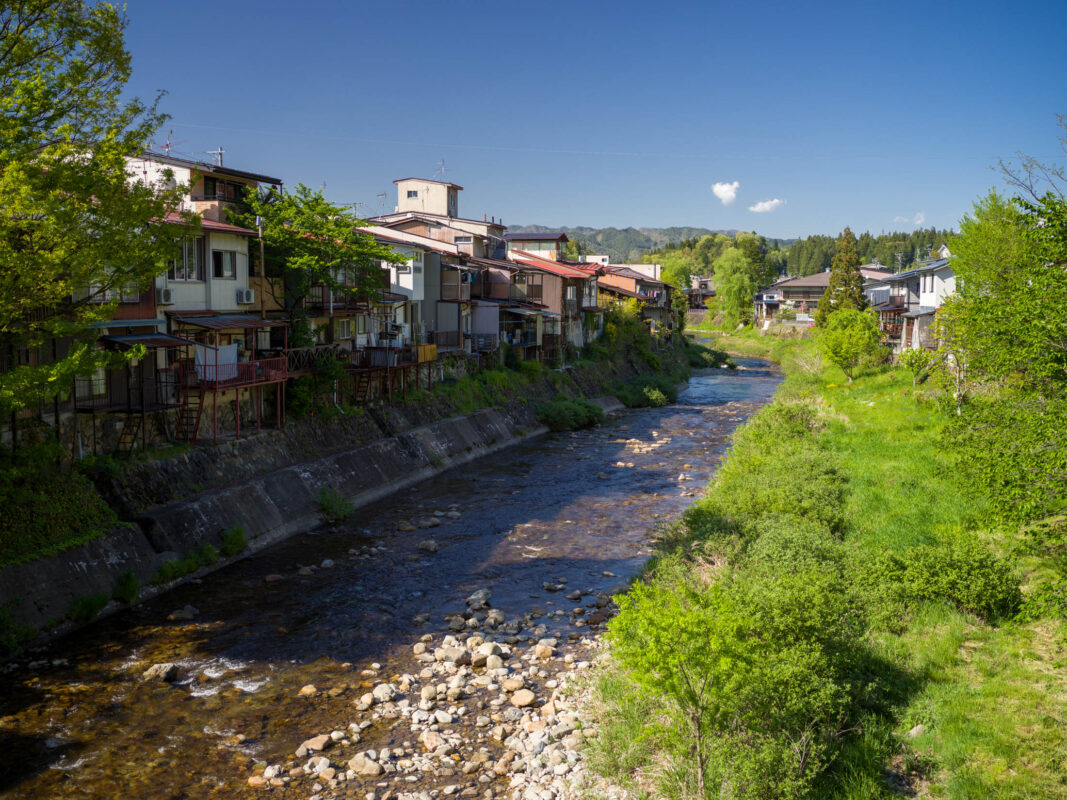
845	288
74	229
309	241
735	283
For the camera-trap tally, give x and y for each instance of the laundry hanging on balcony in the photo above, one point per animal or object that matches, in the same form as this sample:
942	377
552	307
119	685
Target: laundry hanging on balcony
216	365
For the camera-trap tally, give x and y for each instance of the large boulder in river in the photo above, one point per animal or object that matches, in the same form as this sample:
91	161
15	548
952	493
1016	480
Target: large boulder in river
161	672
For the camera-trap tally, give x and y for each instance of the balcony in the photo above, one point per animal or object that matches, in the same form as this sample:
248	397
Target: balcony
551	341
323	297
892	329
452	339
215	377
484	342
114	392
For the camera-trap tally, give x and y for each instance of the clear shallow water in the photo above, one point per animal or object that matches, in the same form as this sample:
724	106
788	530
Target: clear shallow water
578	506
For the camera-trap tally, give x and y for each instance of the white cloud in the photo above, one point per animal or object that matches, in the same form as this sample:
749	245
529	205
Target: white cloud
919	218
899	218
767	205
727	192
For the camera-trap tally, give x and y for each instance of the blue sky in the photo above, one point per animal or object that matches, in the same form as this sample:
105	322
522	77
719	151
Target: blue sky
597	113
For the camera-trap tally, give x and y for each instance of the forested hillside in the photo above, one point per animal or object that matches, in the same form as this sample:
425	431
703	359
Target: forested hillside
897	251
626	245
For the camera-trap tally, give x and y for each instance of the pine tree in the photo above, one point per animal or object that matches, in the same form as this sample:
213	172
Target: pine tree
845	289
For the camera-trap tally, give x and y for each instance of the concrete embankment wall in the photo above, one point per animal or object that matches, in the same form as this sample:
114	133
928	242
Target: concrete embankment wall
259	484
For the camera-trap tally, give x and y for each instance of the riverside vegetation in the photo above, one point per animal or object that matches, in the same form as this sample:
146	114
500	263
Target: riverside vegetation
844	614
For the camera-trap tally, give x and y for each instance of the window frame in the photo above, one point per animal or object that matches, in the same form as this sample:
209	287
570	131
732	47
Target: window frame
218	271
194	245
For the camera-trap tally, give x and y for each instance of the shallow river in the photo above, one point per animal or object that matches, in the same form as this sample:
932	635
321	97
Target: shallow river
573	511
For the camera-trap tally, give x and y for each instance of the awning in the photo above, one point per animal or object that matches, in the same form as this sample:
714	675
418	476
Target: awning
222	322
149	340
921	311
526	312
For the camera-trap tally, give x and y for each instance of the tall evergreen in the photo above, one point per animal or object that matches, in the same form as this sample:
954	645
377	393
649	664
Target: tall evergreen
845	289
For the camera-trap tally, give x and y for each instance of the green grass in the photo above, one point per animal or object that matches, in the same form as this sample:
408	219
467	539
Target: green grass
991	696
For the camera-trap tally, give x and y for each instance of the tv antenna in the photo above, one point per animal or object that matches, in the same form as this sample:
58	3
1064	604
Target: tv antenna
356	207
381	203
439	174
168	145
217	153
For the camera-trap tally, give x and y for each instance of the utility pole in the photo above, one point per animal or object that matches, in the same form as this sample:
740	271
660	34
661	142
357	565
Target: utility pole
262	271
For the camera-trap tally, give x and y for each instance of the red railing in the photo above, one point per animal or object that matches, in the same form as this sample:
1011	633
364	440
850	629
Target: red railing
242	373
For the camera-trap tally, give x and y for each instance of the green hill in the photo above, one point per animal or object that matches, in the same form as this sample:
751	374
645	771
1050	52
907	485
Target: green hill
622	245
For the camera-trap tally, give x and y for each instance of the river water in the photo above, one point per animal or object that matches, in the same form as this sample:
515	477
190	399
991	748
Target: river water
572	510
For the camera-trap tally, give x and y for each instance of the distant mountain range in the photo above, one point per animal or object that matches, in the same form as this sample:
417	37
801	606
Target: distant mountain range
622	245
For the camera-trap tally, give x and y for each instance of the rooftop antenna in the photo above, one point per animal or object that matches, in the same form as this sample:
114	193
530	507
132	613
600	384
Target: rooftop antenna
381	203
356	207
439	174
217	153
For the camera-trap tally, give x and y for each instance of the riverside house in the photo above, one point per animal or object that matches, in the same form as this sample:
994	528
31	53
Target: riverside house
911	300
803	294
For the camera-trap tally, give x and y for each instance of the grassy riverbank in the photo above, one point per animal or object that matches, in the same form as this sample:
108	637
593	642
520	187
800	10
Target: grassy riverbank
836	618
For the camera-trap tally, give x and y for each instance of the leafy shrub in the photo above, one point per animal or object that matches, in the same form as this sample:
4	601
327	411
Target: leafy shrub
233	541
746	668
46	508
565	415
917	362
86	607
848	337
333	505
647	391
962	570
126	587
13	634
702	356
205	556
531	370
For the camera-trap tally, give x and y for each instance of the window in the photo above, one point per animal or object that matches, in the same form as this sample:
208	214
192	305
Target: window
572	293
361	324
189	265
463	240
412	193
224	263
217	189
342	329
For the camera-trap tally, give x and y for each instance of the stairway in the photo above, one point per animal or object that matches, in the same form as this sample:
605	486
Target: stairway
361	380
189	418
130	433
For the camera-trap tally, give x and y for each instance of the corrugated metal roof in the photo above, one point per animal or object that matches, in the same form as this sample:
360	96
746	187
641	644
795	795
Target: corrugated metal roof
211	225
201	166
547	236
149	340
546	265
220	322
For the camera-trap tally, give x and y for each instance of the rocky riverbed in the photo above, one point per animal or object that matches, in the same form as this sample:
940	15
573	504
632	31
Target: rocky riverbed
436	645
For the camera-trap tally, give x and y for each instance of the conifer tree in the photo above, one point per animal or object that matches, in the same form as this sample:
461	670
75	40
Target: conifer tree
845	289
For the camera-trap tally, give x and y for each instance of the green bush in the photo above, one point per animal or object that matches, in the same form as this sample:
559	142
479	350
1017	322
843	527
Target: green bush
46	507
647	391
233	541
963	571
205	556
565	415
701	356
333	505
531	370
13	634
126	588
86	607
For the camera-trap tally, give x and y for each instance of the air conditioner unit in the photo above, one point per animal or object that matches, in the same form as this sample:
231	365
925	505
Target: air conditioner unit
165	296
246	296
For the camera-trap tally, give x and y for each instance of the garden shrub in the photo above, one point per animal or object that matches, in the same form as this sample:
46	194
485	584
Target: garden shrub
564	415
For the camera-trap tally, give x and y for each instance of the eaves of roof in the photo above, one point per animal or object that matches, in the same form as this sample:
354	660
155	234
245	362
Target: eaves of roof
215	169
552	267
